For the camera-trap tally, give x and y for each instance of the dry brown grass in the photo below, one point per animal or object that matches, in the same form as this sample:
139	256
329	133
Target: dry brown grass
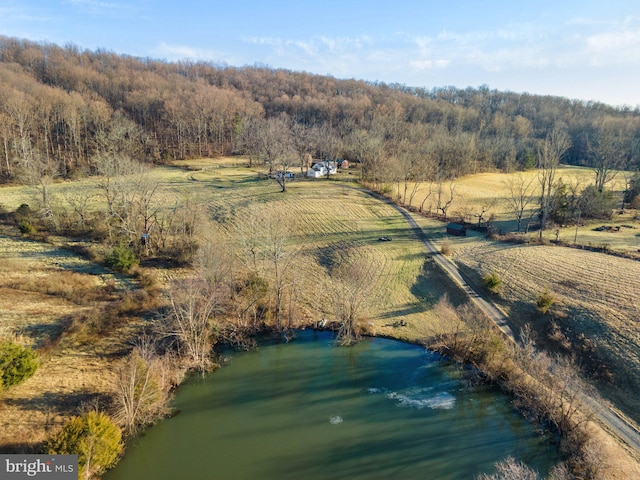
71	311
79	366
596	312
616	461
478	190
79	288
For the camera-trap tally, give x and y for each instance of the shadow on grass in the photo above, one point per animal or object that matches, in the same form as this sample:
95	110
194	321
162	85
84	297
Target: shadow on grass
433	283
372	236
23	448
60	403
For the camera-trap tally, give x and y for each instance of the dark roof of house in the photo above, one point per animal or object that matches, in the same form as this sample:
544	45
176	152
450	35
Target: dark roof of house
455	226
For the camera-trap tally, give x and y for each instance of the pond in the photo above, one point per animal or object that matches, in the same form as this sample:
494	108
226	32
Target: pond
309	409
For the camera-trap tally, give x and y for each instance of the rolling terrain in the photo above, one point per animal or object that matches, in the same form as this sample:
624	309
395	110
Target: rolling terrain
597	294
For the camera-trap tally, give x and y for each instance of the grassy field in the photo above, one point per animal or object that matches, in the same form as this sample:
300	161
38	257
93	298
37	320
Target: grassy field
596	311
42	287
328	217
598	295
472	192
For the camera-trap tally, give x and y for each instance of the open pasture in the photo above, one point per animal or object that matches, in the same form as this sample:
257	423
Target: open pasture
330	219
325	216
597	304
473	192
42	287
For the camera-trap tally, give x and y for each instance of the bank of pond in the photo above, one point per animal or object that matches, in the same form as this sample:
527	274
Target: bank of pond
308	409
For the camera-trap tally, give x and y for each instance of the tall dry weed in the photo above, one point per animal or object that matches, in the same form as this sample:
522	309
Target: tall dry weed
78	288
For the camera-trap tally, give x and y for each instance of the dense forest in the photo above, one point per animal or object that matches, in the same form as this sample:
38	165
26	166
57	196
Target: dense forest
65	112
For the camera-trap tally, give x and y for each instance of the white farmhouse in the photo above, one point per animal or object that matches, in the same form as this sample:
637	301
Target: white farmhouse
320	169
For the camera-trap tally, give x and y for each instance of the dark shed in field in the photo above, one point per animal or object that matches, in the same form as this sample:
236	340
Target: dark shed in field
456	229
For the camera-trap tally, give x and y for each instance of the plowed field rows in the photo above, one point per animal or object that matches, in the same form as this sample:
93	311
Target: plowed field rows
327	216
597	295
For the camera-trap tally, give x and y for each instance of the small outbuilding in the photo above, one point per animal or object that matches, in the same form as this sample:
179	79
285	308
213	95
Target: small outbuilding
457	229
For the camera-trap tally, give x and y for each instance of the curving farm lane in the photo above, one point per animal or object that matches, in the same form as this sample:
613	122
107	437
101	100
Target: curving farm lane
611	420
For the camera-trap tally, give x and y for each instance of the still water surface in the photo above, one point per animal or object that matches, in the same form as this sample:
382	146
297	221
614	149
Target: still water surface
310	410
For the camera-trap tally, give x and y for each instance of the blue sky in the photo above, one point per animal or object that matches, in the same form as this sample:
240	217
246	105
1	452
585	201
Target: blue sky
586	49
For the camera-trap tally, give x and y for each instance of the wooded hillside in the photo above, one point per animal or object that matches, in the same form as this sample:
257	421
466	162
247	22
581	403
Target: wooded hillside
65	112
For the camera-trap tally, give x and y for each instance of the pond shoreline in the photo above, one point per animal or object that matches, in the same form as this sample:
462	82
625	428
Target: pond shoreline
330	367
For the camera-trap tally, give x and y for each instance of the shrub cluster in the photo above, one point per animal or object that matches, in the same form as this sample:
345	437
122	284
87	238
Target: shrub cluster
94	437
545	301
122	259
445	248
17	363
492	281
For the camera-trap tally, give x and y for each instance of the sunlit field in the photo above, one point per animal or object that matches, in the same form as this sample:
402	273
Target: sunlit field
489	190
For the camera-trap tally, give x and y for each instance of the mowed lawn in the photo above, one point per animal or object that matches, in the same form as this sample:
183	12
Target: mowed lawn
325	217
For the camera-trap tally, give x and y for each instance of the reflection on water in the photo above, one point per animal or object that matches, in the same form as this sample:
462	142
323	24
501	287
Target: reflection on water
307	409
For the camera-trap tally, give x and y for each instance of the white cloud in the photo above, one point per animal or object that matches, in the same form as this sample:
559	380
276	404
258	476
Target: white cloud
613	41
421	65
341	56
185	52
23	21
9	15
313	45
105	8
614	44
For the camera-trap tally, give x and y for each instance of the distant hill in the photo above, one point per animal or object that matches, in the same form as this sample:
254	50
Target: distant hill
66	112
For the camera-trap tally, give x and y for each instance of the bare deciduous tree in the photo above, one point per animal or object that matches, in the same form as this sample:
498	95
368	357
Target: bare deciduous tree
267	253
352	284
275	147
426	197
448	328
279	255
462	332
141	390
481	210
606	157
550	153
556	394
511	469
190	321
80	199
520	196
444	199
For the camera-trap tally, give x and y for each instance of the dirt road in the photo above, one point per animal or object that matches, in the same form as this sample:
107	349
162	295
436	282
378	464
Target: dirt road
611	420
